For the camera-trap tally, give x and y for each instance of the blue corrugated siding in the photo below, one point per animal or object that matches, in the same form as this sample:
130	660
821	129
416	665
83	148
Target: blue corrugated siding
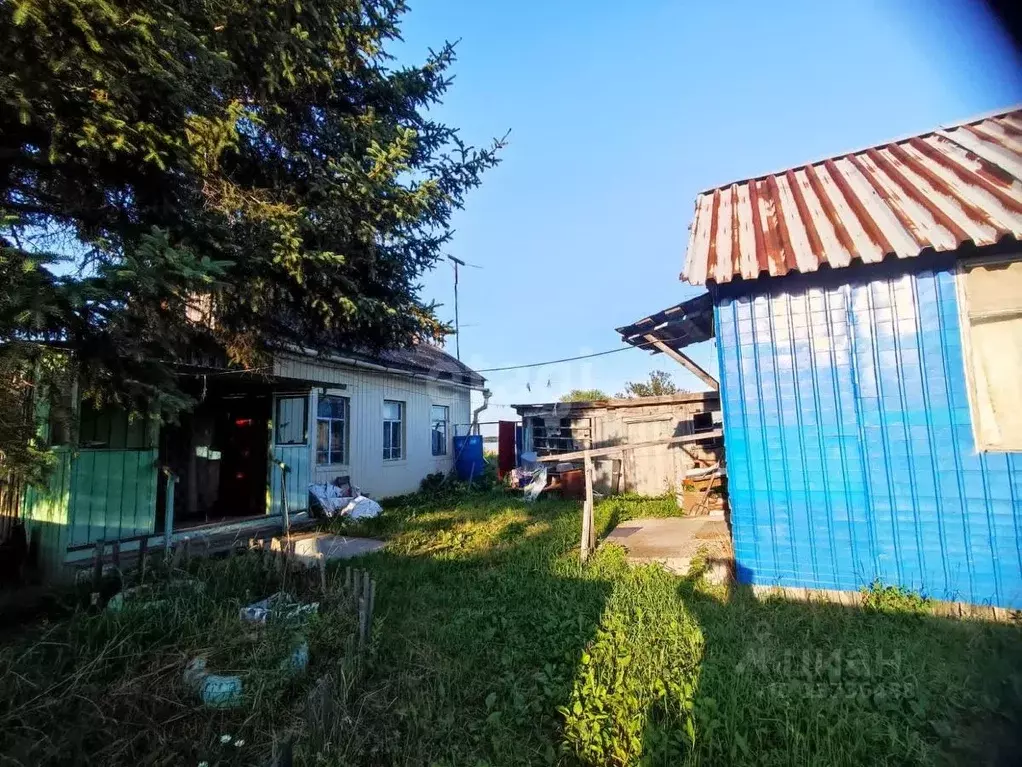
849	441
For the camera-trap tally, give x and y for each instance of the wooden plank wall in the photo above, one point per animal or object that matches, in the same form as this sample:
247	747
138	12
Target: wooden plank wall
299	459
113	495
46	513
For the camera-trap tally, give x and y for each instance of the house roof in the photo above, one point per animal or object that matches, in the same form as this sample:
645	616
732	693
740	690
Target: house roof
928	193
689	322
425	359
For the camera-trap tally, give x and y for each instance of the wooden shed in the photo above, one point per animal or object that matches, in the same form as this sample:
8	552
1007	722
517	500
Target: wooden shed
566	427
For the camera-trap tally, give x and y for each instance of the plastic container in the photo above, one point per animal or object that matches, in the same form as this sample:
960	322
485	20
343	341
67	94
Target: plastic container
468	456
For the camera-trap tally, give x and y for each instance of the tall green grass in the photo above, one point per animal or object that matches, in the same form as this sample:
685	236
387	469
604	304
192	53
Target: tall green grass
495	646
104	687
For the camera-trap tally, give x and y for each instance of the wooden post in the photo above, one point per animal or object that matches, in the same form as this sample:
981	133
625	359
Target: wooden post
322	573
356	585
97	564
168	516
367	589
586	517
590	502
372	601
143	553
685	362
361	621
183	554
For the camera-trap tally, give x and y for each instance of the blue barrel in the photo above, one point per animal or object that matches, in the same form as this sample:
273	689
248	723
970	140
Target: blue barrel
468	457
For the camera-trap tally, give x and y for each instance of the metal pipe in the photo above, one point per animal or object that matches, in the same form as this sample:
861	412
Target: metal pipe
474	426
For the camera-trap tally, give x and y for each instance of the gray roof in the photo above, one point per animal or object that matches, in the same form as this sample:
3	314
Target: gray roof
425	359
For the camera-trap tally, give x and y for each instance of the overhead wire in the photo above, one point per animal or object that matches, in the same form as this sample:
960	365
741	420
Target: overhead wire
571	359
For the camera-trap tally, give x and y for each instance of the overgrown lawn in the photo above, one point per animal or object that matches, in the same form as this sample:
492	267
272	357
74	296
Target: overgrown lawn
495	646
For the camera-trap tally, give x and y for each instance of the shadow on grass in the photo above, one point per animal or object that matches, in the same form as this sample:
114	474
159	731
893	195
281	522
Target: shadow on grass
484	617
783	682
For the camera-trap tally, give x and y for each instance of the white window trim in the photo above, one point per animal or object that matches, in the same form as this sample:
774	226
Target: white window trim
404	430
347	432
447	430
965	331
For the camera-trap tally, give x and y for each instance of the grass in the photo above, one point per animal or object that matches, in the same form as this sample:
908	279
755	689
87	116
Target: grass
494	646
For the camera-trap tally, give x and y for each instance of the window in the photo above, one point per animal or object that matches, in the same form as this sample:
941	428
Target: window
702	422
439	415
393	429
332	430
992	324
291	422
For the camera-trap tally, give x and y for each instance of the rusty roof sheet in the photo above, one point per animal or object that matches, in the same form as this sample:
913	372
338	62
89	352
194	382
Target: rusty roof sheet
934	192
684	324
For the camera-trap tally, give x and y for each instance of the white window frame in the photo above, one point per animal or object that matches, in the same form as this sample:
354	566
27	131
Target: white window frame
968	359
389	453
433	422
345	431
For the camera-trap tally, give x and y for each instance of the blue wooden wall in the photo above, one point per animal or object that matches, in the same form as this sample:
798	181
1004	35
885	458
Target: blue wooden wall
849	441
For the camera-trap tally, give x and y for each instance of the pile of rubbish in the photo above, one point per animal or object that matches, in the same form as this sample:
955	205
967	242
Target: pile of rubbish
341	499
531	476
226	690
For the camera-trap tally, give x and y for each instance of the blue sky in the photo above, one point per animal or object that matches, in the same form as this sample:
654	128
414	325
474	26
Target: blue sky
620	113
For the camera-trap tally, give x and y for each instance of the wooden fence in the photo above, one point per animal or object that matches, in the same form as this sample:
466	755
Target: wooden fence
11	489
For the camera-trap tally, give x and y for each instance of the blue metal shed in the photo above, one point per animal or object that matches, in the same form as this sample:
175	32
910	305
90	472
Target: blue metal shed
868	315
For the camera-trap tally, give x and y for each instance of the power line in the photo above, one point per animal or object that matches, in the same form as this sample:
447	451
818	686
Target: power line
554	362
572	359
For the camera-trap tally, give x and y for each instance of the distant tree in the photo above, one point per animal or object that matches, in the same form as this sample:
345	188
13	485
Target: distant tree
584	395
658	385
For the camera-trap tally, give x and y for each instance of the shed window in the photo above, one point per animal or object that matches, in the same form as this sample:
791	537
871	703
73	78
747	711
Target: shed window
702	422
393	429
291	420
439	415
332	430
992	324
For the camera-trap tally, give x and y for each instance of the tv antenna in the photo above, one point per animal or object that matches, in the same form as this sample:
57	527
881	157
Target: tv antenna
457	326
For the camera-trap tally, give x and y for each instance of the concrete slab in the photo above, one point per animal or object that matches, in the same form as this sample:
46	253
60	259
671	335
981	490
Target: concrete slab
310	546
675	541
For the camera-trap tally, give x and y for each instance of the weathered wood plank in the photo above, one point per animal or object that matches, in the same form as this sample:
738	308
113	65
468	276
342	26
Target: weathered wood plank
600	452
685	361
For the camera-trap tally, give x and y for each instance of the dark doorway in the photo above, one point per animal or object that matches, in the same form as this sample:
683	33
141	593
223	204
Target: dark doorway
220	454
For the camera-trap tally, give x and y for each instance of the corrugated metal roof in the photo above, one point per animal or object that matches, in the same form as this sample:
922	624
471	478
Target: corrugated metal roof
684	324
934	191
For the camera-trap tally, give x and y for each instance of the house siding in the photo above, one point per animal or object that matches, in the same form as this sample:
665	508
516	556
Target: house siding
366	390
110	494
851	455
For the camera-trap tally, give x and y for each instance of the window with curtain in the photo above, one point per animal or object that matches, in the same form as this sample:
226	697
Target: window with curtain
332	430
993	351
290	425
439	416
393	429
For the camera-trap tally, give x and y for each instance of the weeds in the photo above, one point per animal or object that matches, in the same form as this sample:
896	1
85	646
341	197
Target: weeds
894	599
496	647
107	687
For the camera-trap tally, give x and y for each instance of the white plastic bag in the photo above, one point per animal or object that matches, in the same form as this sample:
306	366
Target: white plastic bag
361	507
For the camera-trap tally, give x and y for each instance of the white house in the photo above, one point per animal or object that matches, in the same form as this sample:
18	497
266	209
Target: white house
386	421
248	451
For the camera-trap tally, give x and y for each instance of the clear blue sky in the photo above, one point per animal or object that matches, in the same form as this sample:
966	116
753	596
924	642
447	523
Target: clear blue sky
620	113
